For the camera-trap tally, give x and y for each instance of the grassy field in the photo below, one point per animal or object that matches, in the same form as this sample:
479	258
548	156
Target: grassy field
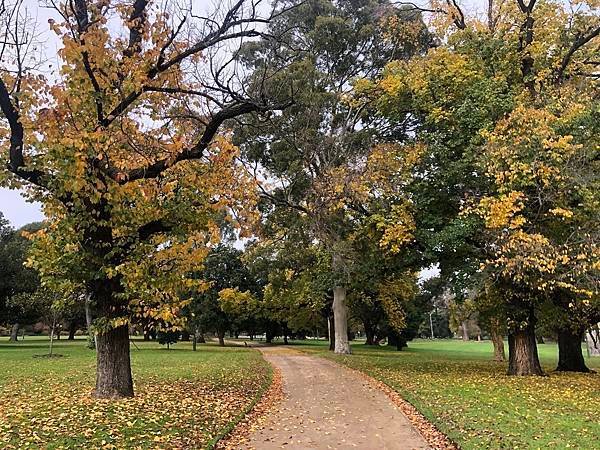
183	398
470	398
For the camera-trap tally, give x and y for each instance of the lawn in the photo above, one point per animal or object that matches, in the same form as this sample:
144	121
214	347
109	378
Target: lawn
184	399
469	397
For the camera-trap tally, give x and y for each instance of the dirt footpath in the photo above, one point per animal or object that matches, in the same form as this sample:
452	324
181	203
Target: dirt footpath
327	406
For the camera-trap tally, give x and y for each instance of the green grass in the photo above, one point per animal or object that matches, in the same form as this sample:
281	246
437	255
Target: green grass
472	400
184	399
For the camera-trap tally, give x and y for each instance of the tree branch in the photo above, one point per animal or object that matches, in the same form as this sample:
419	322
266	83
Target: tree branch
195	152
581	40
16	162
136	25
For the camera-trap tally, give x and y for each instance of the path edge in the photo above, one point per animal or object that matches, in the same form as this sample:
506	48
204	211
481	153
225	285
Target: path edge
237	432
434	437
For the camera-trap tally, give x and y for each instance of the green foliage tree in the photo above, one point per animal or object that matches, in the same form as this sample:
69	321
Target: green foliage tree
223	269
168	337
18	281
307	149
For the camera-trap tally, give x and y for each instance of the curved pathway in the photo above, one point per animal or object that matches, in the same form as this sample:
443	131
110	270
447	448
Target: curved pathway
328	406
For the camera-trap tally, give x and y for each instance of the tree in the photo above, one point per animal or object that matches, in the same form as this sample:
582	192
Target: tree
5	266
462	312
18	281
41	304
306	150
223	270
122	148
498	92
168	337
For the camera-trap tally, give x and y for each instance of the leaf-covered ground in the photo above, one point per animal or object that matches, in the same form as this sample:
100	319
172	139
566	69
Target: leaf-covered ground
184	399
469	397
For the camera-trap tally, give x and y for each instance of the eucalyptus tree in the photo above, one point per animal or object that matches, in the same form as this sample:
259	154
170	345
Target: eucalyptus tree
299	154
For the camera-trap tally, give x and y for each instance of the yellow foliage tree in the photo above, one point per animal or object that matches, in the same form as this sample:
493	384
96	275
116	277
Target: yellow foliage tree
120	145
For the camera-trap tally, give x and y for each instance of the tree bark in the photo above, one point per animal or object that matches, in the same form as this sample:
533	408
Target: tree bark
14	332
465	330
570	355
522	351
113	372
221	335
331	326
498	341
340	316
52	331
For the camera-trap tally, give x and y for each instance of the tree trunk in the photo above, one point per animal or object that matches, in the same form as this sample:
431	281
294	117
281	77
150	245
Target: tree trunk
570	356
50	352
221	335
540	339
194	339
14	332
113	372
370	333
72	330
592	338
340	316
498	341
285	331
331	326
522	351
185	336
88	322
465	330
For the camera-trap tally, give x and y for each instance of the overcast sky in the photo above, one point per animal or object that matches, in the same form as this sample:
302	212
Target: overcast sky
12	205
17	210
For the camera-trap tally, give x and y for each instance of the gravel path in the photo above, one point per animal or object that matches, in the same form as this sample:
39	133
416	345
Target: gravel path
327	406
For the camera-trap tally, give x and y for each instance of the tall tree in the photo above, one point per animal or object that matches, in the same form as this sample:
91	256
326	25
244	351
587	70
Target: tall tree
304	151
488	90
121	145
